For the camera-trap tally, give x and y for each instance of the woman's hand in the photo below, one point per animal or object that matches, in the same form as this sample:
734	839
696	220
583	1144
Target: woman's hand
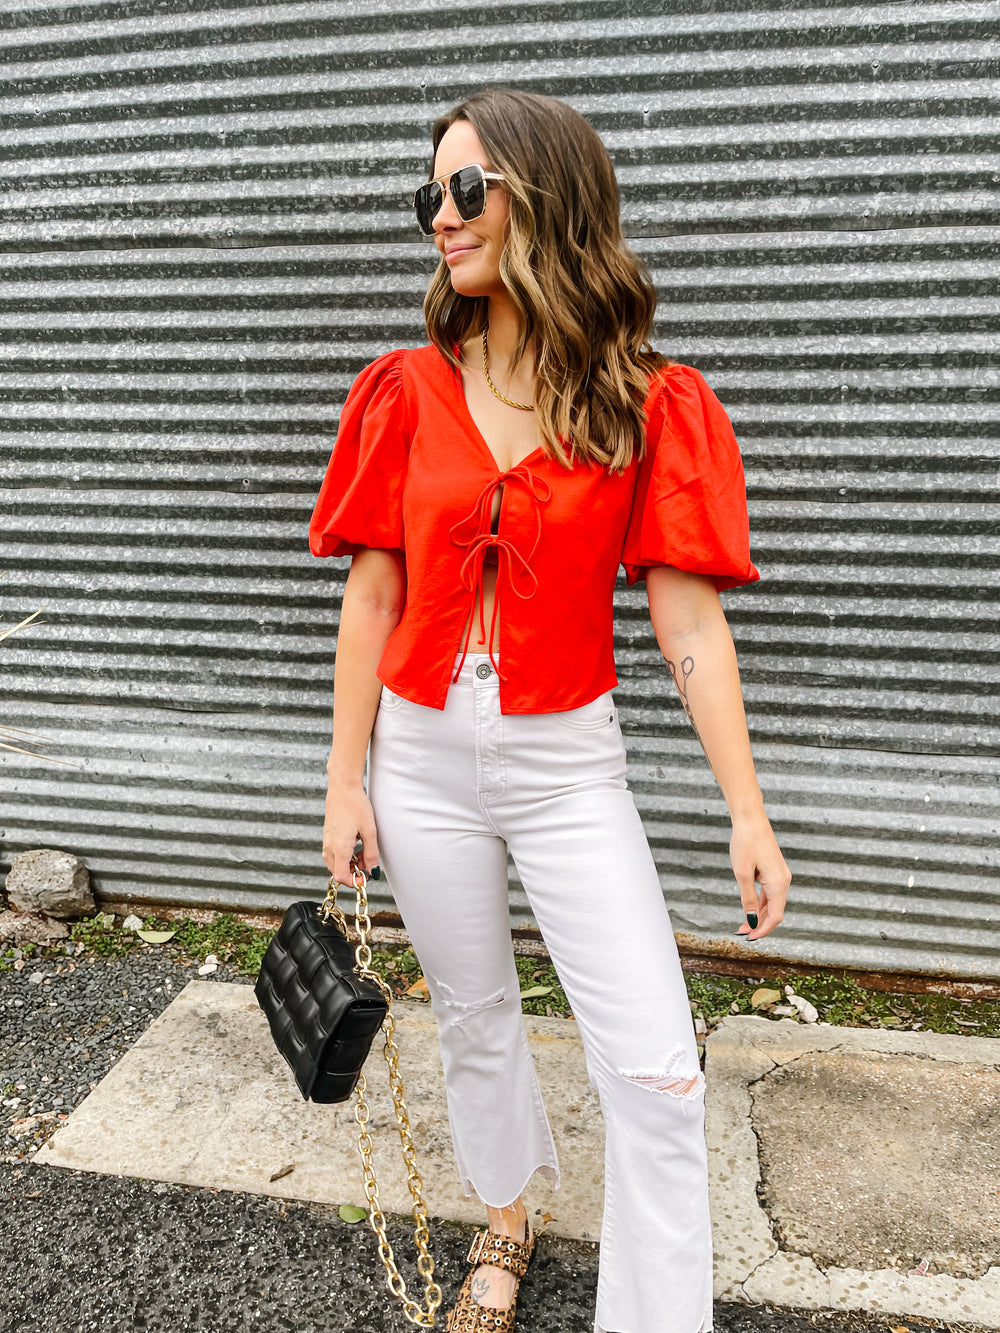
349	816
756	858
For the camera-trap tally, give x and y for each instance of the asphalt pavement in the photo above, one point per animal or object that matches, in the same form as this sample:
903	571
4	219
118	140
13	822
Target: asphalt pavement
83	1251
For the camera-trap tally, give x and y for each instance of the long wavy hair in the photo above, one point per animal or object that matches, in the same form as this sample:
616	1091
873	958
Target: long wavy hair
583	295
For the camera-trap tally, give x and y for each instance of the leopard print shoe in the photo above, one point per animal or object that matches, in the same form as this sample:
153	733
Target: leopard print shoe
497	1251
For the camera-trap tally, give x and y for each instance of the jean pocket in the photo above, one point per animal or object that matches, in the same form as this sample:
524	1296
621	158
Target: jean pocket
600	712
388	700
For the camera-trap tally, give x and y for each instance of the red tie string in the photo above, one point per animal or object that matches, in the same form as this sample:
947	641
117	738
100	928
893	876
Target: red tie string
479	540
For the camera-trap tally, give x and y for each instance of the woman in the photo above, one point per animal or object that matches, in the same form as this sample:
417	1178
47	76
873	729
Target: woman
488	485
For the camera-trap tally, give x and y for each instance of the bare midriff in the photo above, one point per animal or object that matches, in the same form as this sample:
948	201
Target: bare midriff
478	642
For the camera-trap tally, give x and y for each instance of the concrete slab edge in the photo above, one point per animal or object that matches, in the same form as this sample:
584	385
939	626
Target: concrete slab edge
750	1267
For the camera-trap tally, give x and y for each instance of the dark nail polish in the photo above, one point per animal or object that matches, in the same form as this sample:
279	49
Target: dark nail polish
376	872
752	920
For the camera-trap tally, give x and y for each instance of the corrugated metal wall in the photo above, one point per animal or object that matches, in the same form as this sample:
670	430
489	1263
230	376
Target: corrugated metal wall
205	236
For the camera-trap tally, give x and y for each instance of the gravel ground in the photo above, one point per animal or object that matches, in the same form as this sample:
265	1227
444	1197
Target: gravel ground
82	1252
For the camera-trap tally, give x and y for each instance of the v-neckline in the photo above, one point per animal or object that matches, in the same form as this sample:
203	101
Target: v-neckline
477	433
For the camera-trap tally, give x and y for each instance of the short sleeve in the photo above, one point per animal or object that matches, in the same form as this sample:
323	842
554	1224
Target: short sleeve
690	506
360	502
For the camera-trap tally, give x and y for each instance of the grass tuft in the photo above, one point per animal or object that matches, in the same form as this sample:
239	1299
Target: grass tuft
240	946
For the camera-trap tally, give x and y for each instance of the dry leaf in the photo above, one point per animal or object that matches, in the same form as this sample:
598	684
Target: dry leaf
156	936
534	991
419	987
282	1171
764	995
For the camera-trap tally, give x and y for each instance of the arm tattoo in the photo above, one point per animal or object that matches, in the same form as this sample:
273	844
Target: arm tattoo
681	682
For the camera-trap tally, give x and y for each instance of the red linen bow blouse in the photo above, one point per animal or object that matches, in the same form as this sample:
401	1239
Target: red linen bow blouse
410	471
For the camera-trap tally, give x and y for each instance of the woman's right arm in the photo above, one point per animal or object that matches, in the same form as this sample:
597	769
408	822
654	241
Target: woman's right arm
373	603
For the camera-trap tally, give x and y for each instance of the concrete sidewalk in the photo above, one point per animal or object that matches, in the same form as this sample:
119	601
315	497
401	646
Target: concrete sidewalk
204	1098
841	1158
855	1168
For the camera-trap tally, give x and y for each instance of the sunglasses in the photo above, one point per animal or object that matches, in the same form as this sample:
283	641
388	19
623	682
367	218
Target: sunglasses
467	187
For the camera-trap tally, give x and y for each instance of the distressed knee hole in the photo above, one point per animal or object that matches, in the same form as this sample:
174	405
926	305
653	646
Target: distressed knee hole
462	1010
673	1079
675	1087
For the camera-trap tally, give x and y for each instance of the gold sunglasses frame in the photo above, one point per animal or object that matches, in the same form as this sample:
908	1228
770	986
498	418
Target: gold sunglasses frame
444	181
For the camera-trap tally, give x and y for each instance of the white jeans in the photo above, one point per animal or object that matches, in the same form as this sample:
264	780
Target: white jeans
452	790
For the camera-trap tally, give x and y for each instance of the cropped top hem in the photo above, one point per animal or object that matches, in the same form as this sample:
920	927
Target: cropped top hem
570	698
411	472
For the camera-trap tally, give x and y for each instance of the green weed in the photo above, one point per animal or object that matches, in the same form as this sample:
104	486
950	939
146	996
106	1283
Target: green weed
837	995
841	1001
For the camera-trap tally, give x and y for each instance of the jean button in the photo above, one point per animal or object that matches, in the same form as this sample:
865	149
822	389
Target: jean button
483	671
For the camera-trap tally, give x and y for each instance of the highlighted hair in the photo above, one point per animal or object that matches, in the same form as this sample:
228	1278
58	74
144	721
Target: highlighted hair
586	299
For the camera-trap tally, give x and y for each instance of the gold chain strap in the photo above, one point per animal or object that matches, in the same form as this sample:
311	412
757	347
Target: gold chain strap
415	1313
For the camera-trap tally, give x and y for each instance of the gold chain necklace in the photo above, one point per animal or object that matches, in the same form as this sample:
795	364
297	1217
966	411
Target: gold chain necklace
525	407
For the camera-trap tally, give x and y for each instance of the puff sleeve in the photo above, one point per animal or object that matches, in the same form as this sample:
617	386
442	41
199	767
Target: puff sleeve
689	509
360	503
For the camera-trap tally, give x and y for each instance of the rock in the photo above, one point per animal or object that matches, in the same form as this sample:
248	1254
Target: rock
49	881
132	922
33	927
807	1010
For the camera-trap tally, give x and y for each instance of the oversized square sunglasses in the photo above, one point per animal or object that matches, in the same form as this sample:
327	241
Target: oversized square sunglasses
467	187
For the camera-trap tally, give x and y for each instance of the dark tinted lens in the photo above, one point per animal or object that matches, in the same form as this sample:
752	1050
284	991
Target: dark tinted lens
426	202
468	191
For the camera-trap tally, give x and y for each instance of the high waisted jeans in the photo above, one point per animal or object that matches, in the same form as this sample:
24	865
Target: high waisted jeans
452	790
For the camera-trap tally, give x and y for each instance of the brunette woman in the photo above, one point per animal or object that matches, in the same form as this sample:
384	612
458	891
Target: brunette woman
488	485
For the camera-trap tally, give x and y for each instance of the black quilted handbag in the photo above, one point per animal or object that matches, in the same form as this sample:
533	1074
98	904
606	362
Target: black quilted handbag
322	1012
324	1005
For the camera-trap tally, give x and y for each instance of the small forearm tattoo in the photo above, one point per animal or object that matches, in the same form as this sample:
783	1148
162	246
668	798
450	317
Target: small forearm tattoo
480	1287
681	682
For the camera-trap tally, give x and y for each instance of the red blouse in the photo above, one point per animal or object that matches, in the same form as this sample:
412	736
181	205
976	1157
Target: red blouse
410	471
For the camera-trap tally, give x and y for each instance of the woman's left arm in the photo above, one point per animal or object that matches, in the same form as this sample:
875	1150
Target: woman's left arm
691	629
